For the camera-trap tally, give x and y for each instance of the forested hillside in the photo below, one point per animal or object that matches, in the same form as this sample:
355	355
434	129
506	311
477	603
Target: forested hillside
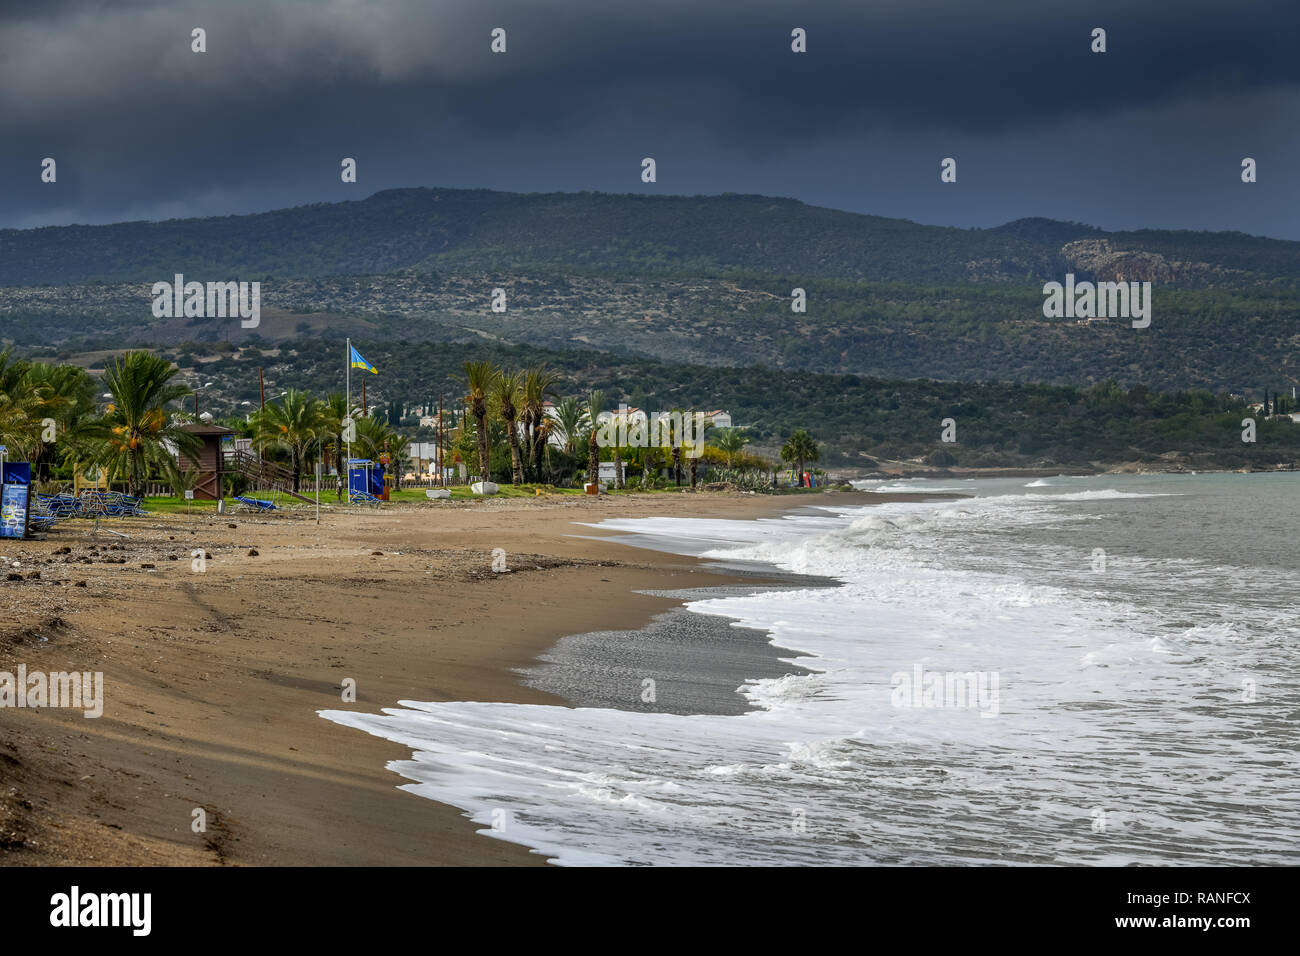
998	424
481	231
688	301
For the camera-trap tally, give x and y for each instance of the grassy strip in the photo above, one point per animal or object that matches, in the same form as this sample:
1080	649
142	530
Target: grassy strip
175	505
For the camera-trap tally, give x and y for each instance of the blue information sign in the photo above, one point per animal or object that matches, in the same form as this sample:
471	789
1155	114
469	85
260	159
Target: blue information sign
13	511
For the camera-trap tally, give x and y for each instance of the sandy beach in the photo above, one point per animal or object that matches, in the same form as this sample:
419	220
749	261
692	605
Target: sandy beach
213	680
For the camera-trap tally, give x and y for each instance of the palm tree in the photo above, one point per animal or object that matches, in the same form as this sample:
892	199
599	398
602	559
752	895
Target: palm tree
539	381
39	404
570	418
506	391
22	406
66	398
181	477
698	447
648	459
293	423
545	429
141	432
620	424
800	448
334	409
595	405
396	444
479	376
731	442
676	442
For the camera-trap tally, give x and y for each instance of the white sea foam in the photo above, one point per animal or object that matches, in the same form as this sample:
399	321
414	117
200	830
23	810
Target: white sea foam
914	486
1115	691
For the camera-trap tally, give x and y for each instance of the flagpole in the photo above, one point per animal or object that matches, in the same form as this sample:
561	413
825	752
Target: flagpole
348	414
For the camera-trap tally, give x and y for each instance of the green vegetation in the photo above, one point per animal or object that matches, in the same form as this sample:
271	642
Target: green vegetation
430	230
856	421
50	417
800	448
291	424
731	442
856	418
663	303
479	376
479	230
1222	339
699	280
595	406
142	433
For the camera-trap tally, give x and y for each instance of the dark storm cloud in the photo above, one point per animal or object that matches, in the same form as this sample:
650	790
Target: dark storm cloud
142	126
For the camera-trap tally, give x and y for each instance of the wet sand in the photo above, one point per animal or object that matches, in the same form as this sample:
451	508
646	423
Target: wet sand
213	678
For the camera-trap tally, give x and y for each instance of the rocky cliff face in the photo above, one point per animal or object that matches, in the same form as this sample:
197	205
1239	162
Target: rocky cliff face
1103	262
1099	260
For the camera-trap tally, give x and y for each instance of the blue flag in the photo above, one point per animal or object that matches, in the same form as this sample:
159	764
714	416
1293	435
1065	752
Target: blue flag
359	362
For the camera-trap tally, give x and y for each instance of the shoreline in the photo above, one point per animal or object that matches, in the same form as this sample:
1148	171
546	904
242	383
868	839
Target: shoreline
214	679
1121	468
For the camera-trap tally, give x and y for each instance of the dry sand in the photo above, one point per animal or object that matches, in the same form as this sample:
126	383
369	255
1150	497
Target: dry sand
213	680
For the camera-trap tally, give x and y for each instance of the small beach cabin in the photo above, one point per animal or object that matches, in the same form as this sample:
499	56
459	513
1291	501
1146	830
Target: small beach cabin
209	463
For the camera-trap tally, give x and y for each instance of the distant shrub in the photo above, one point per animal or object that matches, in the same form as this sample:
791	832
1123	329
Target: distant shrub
941	459
744	479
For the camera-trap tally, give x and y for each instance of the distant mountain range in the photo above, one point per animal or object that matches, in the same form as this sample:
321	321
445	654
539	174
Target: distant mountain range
422	230
702	280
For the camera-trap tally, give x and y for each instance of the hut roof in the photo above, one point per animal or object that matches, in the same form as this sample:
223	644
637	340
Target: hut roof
207	429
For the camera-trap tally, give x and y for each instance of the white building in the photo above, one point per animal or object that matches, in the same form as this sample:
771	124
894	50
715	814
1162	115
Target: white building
630	415
718	419
423	457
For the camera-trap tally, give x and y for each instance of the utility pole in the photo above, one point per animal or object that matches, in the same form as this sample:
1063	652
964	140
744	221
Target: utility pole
347	373
442	467
261	393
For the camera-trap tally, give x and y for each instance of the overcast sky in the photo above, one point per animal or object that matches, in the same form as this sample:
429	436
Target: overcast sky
1149	134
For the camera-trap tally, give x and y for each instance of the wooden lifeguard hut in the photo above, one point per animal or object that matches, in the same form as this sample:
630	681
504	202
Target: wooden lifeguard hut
210	463
90	477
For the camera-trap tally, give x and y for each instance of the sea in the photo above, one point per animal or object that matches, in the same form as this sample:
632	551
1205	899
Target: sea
1062	671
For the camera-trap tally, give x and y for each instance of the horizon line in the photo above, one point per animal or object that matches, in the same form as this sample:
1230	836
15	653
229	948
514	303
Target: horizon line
633	195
